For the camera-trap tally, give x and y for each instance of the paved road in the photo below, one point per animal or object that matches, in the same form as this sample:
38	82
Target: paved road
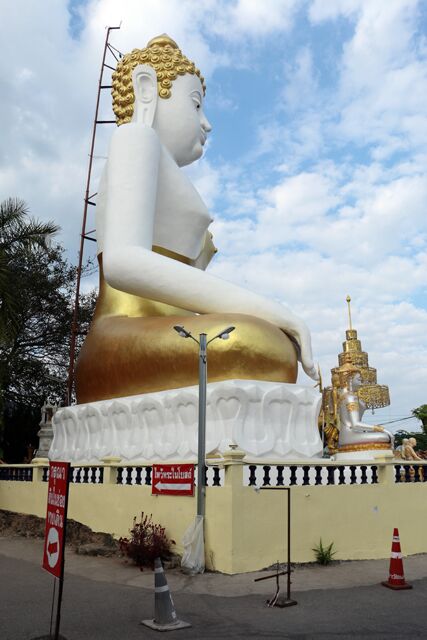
97	609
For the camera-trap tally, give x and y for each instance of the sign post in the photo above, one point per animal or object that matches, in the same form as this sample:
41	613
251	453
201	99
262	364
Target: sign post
172	480
56	521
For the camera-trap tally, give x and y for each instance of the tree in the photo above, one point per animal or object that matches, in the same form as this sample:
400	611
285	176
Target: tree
421	413
20	236
35	340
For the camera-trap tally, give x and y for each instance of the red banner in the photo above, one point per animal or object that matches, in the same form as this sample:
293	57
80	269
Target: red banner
173	480
56	516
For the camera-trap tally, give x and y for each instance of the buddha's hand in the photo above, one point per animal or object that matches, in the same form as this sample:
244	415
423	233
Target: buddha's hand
300	334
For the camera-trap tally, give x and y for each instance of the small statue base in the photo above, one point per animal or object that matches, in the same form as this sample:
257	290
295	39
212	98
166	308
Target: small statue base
45	433
269	421
368	451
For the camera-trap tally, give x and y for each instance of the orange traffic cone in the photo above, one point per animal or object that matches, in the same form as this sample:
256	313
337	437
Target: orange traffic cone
396	579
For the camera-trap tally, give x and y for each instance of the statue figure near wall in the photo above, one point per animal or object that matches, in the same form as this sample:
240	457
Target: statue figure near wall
154	244
408	449
353	389
355	435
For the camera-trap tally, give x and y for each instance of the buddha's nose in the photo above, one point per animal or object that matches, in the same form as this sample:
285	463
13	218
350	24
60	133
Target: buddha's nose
206	125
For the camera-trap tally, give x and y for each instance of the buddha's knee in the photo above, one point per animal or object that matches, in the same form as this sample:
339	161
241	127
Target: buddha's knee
125	356
255	350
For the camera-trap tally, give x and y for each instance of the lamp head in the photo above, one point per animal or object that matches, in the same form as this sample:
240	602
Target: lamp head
224	335
182	332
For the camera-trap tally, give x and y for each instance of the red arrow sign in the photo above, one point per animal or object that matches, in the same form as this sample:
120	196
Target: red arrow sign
173	480
52	548
56	516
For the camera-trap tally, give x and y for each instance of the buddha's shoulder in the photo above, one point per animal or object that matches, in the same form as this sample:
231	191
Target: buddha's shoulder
133	139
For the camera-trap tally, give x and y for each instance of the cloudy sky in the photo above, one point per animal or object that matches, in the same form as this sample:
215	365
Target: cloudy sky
315	171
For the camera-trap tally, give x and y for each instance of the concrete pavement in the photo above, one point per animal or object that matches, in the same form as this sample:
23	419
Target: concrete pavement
104	598
339	575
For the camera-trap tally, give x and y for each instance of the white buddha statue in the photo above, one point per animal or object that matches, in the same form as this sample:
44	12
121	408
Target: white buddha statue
356	436
153	247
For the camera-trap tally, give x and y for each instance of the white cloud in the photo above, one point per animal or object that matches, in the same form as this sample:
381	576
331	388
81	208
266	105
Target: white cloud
320	11
300	83
383	82
300	198
253	18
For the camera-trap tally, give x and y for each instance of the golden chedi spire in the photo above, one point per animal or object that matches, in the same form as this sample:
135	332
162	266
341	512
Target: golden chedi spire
349	313
371	393
351	360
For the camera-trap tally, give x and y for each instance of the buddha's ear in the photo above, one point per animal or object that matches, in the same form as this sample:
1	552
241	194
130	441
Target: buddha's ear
144	80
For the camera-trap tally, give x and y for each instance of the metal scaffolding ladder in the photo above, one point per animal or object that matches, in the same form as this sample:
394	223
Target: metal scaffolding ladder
89	202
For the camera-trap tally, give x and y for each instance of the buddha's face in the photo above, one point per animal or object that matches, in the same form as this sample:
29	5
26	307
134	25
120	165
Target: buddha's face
356	381
180	122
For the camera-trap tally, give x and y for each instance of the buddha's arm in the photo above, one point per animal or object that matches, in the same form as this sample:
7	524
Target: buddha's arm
133	167
353	410
352	407
131	266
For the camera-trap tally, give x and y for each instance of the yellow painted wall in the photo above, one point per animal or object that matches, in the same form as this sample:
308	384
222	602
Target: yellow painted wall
246	529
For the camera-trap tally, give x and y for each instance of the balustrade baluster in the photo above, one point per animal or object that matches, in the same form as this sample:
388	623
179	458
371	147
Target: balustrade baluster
305	477
279	481
374	471
252	475
138	479
293	475
266	478
216	477
148	471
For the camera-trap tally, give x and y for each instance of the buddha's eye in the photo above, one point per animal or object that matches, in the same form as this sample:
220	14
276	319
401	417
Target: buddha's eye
197	99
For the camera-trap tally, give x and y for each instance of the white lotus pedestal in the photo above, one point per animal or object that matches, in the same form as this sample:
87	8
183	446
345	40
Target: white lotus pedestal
267	420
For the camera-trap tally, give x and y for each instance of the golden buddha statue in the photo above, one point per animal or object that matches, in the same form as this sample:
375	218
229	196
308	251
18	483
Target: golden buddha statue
154	244
354	388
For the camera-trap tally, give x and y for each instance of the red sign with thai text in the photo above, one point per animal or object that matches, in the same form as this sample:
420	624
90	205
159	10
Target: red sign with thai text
56	516
173	480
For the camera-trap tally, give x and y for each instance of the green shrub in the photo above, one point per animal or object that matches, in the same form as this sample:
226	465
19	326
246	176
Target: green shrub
324	555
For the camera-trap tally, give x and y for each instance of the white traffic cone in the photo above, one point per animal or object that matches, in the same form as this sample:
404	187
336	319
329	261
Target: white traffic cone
165	618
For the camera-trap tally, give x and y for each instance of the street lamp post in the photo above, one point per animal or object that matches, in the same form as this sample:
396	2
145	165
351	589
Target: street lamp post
203	343
201	438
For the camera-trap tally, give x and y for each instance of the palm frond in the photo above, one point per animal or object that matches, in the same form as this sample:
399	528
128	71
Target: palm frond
20	237
19	231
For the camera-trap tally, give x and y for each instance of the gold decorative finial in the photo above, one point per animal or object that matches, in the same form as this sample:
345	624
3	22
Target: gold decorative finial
349	312
162	41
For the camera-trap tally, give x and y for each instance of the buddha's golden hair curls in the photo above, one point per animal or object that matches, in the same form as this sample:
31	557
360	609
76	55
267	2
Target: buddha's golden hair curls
166	58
